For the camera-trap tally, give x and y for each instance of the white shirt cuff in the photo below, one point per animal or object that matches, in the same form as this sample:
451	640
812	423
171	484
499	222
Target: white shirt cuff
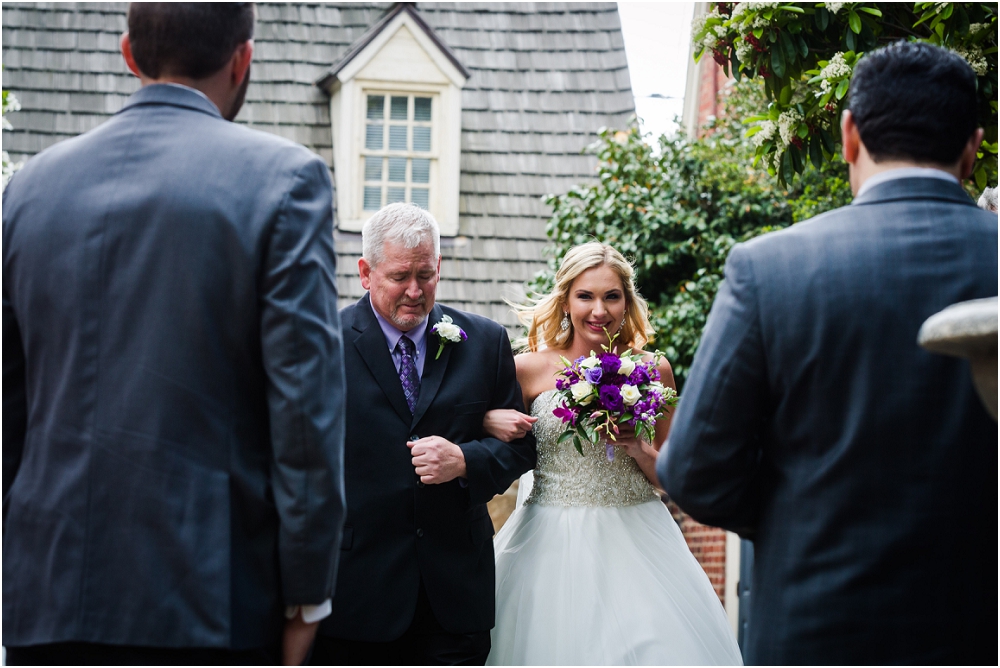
310	613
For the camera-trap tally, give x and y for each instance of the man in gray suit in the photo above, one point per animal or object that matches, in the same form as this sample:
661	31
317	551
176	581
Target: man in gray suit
172	371
862	466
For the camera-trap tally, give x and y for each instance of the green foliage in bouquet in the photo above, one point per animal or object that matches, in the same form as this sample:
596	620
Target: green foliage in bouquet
805	53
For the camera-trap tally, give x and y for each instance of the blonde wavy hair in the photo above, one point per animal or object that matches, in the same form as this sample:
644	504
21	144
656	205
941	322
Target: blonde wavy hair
542	316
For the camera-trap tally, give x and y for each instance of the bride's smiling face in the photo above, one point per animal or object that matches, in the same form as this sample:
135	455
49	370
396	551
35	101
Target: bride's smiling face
596	302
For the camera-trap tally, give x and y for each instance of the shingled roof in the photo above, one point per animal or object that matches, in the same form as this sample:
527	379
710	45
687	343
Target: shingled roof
543	78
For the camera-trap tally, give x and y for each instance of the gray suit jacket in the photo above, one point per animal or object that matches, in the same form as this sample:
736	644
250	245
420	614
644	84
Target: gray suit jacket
172	383
862	466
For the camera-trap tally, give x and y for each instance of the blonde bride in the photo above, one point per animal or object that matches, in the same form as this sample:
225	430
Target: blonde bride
591	568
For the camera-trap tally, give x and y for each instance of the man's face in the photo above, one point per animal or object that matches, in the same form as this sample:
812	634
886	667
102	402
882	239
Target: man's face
403	284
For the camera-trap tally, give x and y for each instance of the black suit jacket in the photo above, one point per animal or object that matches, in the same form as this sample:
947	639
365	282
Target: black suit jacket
863	467
399	530
172	383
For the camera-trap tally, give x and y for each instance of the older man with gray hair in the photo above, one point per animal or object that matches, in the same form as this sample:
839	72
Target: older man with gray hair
416	573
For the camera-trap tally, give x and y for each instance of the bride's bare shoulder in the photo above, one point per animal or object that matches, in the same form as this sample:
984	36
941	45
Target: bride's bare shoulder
536	368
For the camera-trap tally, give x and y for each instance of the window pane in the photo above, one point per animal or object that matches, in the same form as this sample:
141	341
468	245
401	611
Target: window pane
397	170
397	138
376	106
395	195
373	198
421	171
420	197
373	169
421	109
422	139
398	110
373	137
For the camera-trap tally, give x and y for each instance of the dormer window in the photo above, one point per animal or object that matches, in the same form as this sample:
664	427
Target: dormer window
397	156
396	108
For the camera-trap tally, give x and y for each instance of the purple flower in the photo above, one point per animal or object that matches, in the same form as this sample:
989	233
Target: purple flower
593	376
565	414
611	398
639	377
610	363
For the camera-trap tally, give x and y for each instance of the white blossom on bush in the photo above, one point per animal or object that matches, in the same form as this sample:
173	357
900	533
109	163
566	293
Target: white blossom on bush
788	123
10	103
766	133
834	7
835	70
976	59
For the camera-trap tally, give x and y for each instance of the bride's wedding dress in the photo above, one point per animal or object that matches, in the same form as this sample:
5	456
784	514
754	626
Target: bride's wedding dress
592	569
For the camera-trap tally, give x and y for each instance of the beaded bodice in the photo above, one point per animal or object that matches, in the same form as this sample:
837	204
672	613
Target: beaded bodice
565	478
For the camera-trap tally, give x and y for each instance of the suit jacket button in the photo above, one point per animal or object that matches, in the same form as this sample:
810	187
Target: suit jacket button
420	533
414	437
420	483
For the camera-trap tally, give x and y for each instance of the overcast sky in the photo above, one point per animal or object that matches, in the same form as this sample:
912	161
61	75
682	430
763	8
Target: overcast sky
657	45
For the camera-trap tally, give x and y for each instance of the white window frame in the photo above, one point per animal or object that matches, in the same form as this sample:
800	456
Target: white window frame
348	109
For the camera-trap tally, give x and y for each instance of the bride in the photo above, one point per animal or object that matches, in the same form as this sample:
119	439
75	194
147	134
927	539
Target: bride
592	569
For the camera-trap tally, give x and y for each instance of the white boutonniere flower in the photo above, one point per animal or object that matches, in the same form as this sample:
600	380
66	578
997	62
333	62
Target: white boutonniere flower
447	332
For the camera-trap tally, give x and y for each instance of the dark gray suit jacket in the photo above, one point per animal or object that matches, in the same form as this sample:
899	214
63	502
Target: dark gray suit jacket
173	383
862	466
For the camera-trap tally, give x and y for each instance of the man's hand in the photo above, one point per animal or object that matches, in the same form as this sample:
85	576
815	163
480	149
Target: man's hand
297	640
437	460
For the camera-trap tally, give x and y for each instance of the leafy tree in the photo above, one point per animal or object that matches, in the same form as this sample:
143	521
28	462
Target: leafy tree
677	212
805	55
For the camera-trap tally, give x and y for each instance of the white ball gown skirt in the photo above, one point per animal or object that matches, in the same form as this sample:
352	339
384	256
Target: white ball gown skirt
584	585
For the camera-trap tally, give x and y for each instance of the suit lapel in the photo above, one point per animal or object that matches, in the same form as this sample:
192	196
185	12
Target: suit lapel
434	369
373	349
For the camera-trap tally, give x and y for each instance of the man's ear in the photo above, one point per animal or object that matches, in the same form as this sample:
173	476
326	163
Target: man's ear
968	159
126	46
365	271
240	62
850	138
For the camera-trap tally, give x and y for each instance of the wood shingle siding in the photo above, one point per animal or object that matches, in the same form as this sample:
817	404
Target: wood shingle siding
544	78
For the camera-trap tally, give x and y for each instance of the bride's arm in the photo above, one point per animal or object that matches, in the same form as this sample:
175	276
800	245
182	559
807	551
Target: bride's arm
645	453
507	424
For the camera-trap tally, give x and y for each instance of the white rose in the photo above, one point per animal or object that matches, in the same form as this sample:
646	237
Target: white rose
657	386
582	392
589	363
630	394
449	332
627	367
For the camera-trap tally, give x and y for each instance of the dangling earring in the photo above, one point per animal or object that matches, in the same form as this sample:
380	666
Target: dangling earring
564	324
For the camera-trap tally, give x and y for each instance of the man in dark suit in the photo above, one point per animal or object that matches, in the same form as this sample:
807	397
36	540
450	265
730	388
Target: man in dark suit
862	466
416	576
172	372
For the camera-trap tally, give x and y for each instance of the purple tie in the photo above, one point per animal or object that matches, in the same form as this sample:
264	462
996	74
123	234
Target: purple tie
408	371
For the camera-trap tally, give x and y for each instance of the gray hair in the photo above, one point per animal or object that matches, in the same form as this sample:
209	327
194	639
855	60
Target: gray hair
401	223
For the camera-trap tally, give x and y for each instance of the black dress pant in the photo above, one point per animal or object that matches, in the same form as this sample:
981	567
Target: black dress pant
97	654
425	643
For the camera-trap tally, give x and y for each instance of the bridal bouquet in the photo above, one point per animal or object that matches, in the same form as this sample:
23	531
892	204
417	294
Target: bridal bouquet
603	392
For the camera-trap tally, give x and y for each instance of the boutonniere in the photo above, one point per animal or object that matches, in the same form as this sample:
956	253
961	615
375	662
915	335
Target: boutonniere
448	332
